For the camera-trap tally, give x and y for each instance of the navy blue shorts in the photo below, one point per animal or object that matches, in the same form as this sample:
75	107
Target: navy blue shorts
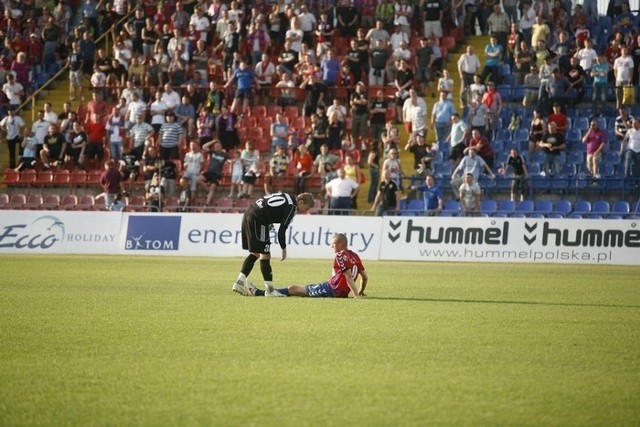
321	290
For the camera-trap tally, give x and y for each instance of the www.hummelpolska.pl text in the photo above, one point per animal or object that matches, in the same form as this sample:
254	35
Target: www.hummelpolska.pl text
530	255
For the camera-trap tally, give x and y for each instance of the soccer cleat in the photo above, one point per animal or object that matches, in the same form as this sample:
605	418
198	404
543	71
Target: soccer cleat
251	288
273	293
268	287
240	288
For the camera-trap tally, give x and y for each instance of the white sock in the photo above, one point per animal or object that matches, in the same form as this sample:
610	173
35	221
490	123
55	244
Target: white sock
242	278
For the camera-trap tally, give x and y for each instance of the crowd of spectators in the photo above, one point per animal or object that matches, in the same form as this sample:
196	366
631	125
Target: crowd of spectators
269	84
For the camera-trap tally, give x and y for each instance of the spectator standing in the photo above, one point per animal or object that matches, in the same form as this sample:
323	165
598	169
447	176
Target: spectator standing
111	181
623	71
499	25
12	125
213	175
457	138
14	92
470	196
441	115
341	191
387	198
431	196
600	74
169	138
630	150
553	143
96	138
277	170
360	113
595	139
472	164
468	66
519	181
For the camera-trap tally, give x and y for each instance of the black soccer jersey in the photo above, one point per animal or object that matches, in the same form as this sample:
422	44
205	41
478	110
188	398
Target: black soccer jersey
276	208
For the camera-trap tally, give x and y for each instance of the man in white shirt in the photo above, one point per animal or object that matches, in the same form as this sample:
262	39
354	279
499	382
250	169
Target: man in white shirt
201	23
170	97
307	24
12	126
632	151
13	90
378	33
135	108
193	161
587	56
294	35
341	190
414	113
468	66
623	72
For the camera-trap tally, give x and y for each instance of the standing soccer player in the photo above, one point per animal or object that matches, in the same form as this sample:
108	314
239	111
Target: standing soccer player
347	266
277	208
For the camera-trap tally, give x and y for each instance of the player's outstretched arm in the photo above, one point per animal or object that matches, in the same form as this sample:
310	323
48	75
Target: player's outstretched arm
352	284
364	279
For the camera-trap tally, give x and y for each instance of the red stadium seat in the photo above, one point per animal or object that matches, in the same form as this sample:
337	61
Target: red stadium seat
51	202
17	201
34	202
4	200
69	202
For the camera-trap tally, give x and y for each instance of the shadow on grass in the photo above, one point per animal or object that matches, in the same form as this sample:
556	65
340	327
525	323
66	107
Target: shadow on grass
470	301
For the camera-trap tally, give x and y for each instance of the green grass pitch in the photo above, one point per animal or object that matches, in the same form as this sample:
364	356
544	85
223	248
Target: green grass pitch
159	341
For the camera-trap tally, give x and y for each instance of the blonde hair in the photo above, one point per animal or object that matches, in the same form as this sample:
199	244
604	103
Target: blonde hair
306	198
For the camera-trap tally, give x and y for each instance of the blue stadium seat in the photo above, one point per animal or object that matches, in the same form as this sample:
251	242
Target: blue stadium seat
415	207
601	121
525	206
582	207
521	135
575	157
544	207
507	206
574	136
607	170
443	170
534	168
451	208
560	183
540	183
504	135
612	157
621	207
601	207
563	207
505	92
517	93
581	123
489	206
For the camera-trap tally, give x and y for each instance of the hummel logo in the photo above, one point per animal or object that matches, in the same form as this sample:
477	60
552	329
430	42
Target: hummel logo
530	228
394	226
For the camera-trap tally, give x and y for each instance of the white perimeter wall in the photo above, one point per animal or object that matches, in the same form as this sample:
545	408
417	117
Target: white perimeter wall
389	238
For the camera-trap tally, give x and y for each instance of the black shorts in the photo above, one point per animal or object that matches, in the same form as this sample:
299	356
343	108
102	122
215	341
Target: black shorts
256	237
212	178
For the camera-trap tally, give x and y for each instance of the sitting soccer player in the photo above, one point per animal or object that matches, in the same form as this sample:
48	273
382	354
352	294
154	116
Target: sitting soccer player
347	266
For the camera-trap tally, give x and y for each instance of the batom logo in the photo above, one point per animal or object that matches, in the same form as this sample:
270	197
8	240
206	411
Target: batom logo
153	233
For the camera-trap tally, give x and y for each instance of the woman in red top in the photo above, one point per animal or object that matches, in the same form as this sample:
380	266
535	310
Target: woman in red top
304	168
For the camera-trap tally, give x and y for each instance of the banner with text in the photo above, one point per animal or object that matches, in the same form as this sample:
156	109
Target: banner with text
309	236
219	235
511	240
59	232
